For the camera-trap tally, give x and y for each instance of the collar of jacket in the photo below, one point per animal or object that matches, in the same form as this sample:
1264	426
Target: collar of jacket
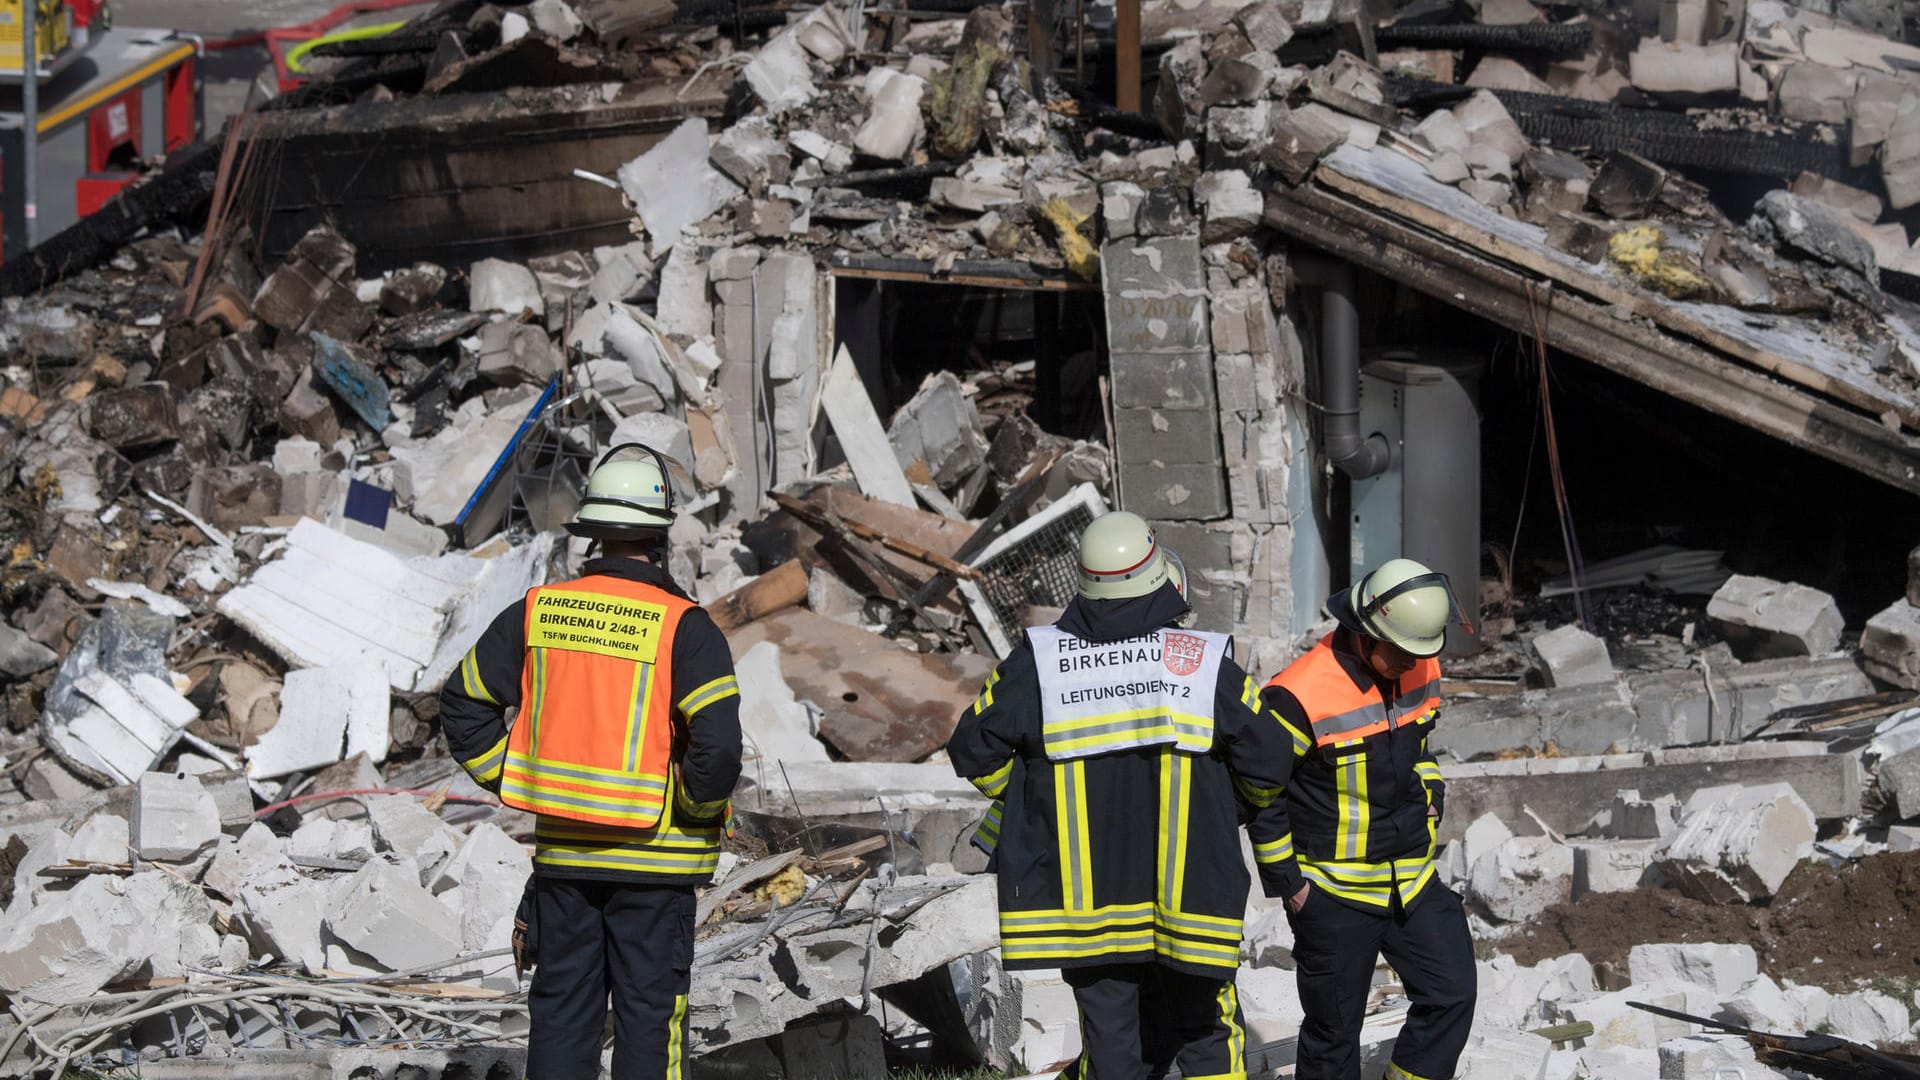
1118	620
1346	649
638	570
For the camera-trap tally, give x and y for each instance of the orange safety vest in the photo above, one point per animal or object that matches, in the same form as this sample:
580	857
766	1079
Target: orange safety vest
1344	713
594	738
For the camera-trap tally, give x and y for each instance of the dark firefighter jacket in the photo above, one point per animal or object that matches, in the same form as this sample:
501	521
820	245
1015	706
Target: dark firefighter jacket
1356	813
1148	835
683	846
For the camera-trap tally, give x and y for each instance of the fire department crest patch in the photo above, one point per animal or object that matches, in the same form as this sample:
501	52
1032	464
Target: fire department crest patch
1182	653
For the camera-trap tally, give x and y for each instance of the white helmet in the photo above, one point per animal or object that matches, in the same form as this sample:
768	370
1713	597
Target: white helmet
1402	603
625	499
1119	558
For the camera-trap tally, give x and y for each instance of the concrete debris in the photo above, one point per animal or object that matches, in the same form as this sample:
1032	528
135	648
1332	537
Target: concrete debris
174	819
1737	844
388	916
1721	970
322	710
1768	618
1569	656
1521	877
674	184
510	288
1869	1016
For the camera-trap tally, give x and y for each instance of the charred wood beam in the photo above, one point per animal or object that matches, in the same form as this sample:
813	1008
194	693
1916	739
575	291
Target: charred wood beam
1456	275
1668	138
171	195
904	175
1551	39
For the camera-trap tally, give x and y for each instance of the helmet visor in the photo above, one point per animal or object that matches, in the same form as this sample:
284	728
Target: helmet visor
1373	614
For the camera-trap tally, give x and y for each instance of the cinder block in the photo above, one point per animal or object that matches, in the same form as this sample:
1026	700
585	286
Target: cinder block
174	819
1764	618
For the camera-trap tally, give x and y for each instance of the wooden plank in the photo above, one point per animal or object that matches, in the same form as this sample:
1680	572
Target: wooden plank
834	523
1126	91
1463	277
862	438
781	587
1794	349
934	532
881	702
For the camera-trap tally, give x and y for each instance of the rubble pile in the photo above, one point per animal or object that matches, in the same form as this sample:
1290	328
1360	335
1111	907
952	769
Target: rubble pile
256	513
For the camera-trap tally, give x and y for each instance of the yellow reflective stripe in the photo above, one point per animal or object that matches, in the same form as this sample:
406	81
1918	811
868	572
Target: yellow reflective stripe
987	836
1107	918
1409	890
1427	770
1236	1035
544	801
1070	948
485	767
985	700
1376	896
1258	796
1355	812
1076	850
574	772
1250	695
585	836
1198	721
1396	1072
1176	778
637	713
538	709
698	809
476	687
1273	851
1301	744
994	784
699	864
1194	952
706	694
676	1036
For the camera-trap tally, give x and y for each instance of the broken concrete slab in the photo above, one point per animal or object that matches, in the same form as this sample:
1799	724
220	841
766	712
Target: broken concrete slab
1720	970
1870	1017
133	416
330	599
174	818
1635	818
1890	644
1685	72
1765	618
391	918
1815	93
1569	656
895	126
674	184
409	830
1611	866
507	287
320	708
777	727
939	427
1565	791
1486	121
512	353
21	656
1521	877
1898	779
1818	230
1737	844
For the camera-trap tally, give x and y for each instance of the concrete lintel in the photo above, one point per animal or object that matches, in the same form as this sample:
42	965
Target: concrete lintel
1567	792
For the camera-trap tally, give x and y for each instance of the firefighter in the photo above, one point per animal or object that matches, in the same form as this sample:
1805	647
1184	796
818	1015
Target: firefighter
1362	804
626	746
1116	746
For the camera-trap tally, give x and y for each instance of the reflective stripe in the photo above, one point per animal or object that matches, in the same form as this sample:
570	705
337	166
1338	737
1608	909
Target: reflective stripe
1236	1035
1076	854
1205	925
1301	744
1355	810
676	1037
1197	952
1175	782
637	712
551	801
693	852
719	689
987	836
1428	771
476	687
586	774
1398	1072
1250	695
1075	948
1274	851
1342	709
1027	922
994	784
985	700
537	703
485	767
1260	797
1372	883
1125	730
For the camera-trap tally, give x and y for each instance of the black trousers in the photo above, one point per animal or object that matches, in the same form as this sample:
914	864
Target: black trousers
1136	1020
1335	945
595	938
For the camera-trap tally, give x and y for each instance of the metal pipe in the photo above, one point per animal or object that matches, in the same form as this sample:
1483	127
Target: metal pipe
30	105
1357	455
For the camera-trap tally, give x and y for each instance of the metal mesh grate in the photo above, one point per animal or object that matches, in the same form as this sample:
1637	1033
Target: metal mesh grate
1043	569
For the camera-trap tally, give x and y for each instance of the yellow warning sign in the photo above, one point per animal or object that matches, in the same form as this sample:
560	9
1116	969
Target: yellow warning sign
597	623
